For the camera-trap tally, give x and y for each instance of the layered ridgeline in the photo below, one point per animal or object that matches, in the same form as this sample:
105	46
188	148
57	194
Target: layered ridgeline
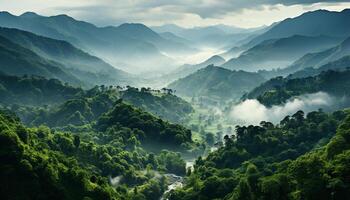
48	164
279	53
278	90
89	105
295	159
126	45
188	69
217	83
319	59
71	105
295	36
215	36
38	101
89	69
16	60
313	23
98	148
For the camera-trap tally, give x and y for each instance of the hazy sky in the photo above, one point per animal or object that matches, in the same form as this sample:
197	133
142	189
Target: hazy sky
187	13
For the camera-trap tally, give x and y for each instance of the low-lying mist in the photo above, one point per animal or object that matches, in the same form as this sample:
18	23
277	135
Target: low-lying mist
253	112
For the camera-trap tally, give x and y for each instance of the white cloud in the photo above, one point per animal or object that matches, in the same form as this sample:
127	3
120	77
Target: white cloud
186	13
253	112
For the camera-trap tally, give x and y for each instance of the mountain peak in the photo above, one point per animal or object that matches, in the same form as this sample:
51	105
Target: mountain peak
5	13
30	15
133	26
215	60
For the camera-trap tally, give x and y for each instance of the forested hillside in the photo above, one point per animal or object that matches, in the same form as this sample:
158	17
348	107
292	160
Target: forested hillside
48	164
34	91
301	158
279	90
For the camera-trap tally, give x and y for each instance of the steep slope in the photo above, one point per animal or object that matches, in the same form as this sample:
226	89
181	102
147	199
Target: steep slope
110	43
279	53
337	65
216	83
88	68
16	60
318	59
140	31
314	23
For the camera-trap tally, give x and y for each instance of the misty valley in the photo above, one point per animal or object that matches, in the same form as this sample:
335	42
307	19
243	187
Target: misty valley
171	112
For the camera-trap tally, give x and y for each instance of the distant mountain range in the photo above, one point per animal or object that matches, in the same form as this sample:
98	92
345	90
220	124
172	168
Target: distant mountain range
89	69
217	83
188	69
314	23
19	61
311	64
286	41
216	36
318	59
279	53
125	45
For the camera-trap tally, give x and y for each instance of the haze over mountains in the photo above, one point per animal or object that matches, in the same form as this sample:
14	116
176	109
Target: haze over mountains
279	53
166	112
127	44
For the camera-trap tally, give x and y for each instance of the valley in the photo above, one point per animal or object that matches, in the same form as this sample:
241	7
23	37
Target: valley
148	112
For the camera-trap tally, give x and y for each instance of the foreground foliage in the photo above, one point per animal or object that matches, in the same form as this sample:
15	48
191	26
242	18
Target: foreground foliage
293	160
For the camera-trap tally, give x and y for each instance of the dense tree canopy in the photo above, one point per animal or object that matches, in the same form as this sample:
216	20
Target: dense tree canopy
300	158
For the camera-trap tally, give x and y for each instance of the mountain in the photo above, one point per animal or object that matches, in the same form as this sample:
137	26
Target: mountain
173	37
188	69
314	23
216	83
140	31
318	59
338	65
19	61
279	53
208	36
88	68
131	44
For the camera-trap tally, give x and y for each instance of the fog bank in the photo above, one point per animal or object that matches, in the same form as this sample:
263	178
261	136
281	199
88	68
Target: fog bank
253	112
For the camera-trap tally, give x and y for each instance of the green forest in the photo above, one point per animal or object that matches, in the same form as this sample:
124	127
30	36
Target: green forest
170	100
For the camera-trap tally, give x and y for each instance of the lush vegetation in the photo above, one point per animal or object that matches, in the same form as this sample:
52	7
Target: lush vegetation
34	91
279	90
160	103
40	163
292	160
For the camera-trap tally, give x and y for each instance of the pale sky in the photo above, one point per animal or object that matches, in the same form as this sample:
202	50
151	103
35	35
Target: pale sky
186	13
